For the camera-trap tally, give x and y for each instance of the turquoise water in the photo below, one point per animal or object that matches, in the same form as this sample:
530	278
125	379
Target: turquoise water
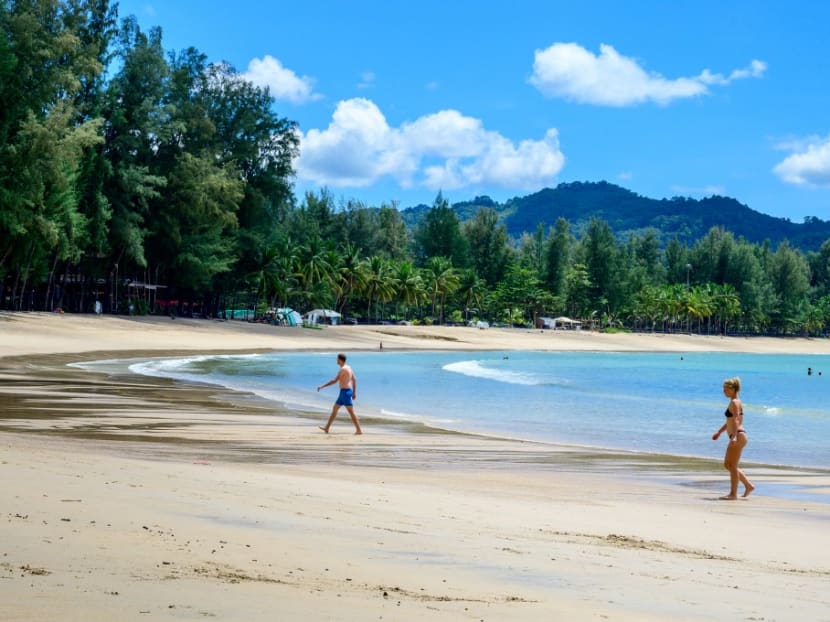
664	403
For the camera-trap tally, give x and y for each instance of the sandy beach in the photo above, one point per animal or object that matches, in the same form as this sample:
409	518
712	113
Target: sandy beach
134	498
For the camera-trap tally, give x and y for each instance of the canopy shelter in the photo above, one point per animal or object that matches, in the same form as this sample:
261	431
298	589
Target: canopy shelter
566	322
322	316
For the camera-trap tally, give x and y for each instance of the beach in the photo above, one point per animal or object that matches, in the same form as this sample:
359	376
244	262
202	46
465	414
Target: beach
135	498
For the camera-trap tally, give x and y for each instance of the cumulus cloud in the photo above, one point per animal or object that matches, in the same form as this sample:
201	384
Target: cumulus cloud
808	165
569	71
284	84
444	150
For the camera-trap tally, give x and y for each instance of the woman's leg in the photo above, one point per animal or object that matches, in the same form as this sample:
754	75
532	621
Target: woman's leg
730	462
748	487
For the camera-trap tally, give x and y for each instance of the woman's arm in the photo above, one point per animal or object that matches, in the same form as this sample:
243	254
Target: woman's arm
719	432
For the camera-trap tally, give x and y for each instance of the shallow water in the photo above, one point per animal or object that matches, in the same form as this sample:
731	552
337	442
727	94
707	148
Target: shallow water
644	402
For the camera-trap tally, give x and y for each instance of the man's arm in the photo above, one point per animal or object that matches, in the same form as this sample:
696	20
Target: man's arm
328	384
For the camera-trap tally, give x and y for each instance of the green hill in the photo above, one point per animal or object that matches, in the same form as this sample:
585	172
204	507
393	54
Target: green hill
628	212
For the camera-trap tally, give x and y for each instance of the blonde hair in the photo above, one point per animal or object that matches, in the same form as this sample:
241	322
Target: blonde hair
734	383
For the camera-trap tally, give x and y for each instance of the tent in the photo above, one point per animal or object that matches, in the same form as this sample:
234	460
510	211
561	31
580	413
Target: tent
322	316
289	316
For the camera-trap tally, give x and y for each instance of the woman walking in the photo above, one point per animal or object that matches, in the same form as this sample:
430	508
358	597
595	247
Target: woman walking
734	427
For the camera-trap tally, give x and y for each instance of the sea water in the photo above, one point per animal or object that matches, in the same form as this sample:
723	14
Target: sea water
666	403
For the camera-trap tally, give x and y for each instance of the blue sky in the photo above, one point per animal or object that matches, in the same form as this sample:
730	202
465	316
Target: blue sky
398	100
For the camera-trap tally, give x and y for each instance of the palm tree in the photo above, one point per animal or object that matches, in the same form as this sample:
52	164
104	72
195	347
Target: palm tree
698	303
314	270
377	281
275	271
471	290
409	285
727	304
443	280
349	276
266	273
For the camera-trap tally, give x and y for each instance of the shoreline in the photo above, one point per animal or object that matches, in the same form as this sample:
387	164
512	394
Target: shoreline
133	497
219	396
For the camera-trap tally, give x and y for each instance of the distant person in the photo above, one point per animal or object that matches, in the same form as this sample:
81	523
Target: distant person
98	307
734	427
348	391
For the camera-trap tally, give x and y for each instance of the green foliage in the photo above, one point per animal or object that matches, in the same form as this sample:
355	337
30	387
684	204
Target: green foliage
439	235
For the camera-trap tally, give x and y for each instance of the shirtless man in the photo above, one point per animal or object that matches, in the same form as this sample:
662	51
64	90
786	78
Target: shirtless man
348	391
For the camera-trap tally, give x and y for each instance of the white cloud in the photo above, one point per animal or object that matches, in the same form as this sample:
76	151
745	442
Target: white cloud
809	165
444	150
284	84
625	176
756	69
569	71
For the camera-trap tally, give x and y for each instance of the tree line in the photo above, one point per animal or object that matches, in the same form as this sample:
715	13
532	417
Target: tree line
154	181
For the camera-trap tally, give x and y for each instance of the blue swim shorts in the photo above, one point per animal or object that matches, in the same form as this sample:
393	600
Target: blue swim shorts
345	397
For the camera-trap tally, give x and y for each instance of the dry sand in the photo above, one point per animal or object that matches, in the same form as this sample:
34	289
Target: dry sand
127	498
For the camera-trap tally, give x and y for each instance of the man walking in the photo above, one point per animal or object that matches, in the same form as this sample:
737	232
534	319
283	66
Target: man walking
348	391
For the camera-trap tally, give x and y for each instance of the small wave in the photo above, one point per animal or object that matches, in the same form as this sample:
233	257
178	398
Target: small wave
171	367
476	370
396	415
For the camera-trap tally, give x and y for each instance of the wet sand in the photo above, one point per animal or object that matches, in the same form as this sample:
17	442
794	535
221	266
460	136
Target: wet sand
136	498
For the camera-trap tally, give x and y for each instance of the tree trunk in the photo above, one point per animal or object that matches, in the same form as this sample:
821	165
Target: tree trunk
47	299
16	307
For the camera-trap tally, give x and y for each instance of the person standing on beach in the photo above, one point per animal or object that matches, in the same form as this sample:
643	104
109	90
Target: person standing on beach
734	427
348	391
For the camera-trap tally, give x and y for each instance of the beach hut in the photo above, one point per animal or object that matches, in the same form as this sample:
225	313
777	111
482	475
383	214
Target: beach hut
322	316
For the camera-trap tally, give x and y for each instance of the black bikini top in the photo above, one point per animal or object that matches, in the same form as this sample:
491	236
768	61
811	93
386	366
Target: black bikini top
729	414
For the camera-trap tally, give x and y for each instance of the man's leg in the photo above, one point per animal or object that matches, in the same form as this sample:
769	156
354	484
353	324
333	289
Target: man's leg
334	410
355	421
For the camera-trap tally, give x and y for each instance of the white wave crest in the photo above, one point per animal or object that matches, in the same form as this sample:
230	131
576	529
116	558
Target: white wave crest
172	367
476	370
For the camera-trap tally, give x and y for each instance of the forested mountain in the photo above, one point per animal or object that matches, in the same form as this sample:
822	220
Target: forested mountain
627	212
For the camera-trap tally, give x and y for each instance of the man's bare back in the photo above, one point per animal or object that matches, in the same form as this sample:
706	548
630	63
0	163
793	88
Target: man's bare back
345	377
